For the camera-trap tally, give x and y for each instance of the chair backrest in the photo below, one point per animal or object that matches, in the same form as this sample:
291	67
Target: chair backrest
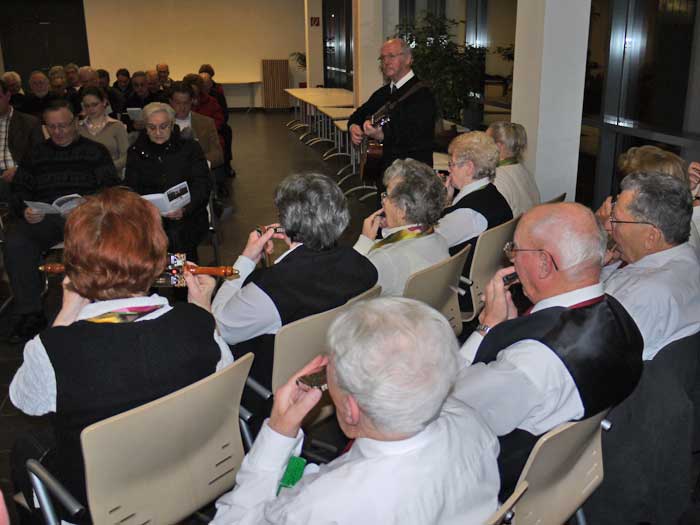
437	286
564	468
558	198
162	461
299	342
488	259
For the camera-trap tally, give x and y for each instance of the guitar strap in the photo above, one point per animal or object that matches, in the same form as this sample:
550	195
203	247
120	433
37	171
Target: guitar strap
387	108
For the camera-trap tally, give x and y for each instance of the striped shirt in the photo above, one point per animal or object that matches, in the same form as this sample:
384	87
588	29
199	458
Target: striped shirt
6	160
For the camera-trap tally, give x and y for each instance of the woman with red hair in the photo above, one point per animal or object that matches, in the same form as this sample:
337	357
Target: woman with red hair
112	346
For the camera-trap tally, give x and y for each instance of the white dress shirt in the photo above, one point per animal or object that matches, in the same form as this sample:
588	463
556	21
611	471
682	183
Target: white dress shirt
446	474
463	224
527	386
694	239
408	76
245	312
518	187
662	294
33	389
185	122
397	261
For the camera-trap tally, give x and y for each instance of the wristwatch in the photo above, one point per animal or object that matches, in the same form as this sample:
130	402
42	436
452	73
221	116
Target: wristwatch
483	329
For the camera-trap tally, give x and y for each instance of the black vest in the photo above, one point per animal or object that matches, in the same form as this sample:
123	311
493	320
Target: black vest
599	344
493	206
304	283
104	369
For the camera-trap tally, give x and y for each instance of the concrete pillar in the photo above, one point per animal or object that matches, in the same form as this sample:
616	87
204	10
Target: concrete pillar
367	32
551	41
314	42
390	14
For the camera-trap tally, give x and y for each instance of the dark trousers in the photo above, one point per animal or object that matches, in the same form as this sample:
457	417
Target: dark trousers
24	246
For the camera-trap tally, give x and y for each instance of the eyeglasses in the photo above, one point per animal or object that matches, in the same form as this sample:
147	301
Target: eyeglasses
510	250
390	56
459	163
384	196
614	221
153	127
62	127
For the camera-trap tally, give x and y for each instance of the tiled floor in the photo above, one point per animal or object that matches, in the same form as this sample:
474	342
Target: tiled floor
265	152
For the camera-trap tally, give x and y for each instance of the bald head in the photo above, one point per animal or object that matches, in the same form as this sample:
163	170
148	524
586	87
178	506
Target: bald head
562	247
88	77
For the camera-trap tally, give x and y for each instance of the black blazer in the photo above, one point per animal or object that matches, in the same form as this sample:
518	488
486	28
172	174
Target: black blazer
24	134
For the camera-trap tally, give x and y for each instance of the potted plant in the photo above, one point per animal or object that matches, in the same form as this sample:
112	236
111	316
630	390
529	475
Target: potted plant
299	59
456	71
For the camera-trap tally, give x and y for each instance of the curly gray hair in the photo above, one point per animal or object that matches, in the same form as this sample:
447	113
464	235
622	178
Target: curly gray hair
663	200
312	209
418	191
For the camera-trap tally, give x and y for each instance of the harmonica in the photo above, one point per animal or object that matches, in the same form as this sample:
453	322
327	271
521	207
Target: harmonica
510	278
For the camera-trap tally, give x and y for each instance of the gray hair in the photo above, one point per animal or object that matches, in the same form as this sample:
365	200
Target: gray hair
57	71
480	149
512	135
158	107
13	75
572	234
312	209
398	358
418	191
663	200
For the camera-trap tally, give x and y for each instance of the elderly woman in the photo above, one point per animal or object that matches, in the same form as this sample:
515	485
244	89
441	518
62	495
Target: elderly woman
312	276
100	127
410	209
513	181
159	159
112	346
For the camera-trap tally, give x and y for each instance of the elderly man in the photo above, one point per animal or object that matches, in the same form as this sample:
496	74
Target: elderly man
72	76
64	164
14	85
660	283
578	352
194	125
40	95
164	79
312	276
420	456
116	99
140	98
88	77
411	129
154	90
19	132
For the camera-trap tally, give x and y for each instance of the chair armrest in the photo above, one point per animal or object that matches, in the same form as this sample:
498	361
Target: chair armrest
44	484
504	514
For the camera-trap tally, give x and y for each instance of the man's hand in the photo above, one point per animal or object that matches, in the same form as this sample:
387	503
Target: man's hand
374	132
371	224
72	304
694	175
498	303
200	288
33	216
257	244
174	215
604	212
356	134
9	174
292	404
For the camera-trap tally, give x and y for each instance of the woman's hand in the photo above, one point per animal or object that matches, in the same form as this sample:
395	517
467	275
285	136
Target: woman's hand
694	175
200	288
292	404
33	216
257	243
450	190
72	304
371	224
175	215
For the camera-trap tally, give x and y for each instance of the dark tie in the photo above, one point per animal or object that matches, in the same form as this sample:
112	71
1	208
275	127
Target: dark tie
393	89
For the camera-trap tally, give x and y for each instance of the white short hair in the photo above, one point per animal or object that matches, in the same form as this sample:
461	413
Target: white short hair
398	358
158	107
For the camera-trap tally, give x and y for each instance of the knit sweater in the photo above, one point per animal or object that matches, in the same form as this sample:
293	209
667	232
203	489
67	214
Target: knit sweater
52	171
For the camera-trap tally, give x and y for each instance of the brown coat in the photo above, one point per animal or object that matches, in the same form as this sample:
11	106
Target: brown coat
205	133
23	135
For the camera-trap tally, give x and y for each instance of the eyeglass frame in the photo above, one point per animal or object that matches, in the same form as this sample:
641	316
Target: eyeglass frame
509	249
391	56
616	221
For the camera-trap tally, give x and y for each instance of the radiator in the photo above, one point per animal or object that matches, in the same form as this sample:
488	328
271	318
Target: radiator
275	77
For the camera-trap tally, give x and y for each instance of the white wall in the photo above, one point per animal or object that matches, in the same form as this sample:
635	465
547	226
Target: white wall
233	36
314	43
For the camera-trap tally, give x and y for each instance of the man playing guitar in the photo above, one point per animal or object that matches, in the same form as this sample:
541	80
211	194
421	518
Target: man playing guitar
410	128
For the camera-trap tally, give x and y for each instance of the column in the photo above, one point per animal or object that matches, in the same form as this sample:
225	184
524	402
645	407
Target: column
367	32
551	42
314	42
